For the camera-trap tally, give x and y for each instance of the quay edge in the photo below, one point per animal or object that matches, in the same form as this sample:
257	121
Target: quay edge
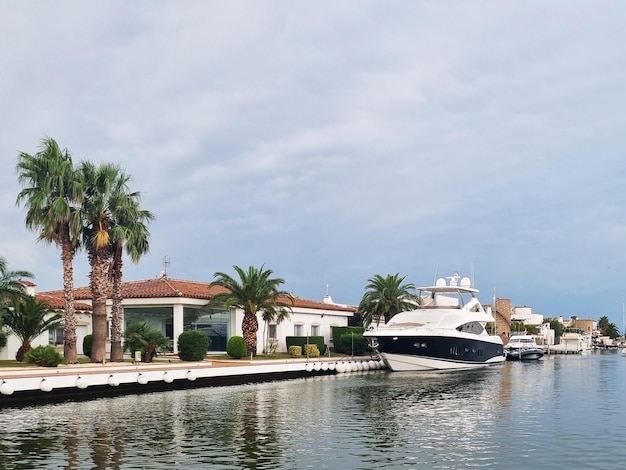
33	386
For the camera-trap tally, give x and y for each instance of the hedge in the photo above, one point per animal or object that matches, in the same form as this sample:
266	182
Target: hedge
338	331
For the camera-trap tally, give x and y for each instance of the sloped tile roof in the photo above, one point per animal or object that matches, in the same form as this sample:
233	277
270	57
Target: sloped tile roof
164	287
55	299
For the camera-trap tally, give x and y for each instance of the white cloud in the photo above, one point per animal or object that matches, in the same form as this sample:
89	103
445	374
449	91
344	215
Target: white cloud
334	141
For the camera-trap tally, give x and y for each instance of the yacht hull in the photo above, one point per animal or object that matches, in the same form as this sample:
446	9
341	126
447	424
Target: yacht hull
406	363
420	353
524	354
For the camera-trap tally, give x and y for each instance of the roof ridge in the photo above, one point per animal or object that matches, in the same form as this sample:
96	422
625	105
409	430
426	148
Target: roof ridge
178	292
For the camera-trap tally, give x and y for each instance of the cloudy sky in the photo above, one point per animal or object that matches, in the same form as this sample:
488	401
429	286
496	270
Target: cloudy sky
332	141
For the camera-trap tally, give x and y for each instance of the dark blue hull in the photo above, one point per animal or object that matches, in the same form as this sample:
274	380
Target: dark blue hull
463	351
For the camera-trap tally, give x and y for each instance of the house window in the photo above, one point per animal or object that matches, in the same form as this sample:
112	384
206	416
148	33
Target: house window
272	331
315	330
55	336
298	329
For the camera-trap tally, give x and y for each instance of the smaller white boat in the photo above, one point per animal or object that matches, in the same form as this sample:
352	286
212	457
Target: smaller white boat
523	348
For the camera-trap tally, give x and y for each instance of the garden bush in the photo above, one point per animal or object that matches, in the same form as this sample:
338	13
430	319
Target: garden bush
87	341
193	345
295	351
338	331
312	350
302	341
44	356
236	347
353	343
140	336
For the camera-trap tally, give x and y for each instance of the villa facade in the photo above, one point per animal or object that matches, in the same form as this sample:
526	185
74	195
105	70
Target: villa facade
174	305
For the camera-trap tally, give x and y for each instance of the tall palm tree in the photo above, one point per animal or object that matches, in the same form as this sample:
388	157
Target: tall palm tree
255	291
385	297
129	230
99	184
52	196
29	318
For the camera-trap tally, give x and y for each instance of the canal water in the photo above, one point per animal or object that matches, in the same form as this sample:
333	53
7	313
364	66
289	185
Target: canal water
560	412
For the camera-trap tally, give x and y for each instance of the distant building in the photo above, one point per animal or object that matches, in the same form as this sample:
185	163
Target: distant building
526	315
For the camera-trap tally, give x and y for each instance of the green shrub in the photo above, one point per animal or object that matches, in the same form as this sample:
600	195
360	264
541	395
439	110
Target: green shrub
312	350
338	331
193	345
44	356
87	341
140	336
353	342
236	347
302	341
295	351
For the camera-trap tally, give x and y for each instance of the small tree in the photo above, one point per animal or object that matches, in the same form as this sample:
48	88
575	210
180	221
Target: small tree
29	318
193	345
147	339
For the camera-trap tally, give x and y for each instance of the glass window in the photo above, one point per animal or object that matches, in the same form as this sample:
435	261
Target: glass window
315	330
272	331
214	323
55	336
297	329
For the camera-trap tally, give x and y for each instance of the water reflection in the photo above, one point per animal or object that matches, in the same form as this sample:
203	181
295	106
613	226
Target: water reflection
516	416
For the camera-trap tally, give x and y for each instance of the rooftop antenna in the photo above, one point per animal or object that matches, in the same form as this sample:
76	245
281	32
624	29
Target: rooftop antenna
166	263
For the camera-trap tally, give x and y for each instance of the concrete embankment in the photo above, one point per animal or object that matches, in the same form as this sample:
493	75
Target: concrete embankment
22	386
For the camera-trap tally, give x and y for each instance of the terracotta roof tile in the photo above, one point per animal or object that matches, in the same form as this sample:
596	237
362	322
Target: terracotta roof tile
55	299
162	287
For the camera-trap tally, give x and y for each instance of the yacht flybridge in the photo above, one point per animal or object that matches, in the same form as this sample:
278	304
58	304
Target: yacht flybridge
445	331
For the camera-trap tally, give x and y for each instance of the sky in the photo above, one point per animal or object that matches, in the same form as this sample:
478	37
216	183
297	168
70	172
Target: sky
333	141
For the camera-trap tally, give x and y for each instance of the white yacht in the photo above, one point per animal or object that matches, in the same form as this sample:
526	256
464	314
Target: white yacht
523	348
446	331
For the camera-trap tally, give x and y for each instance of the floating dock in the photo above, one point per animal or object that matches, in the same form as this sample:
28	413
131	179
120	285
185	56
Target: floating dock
34	385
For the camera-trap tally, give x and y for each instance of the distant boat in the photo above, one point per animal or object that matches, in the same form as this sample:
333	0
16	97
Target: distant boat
446	331
523	348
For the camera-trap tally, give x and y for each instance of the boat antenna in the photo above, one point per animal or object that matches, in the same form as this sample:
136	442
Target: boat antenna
435	279
472	273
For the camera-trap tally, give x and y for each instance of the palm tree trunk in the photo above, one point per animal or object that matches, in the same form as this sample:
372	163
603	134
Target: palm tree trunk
99	287
117	354
250	326
69	334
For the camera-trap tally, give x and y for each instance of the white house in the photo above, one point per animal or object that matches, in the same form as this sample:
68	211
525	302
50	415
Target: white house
173	306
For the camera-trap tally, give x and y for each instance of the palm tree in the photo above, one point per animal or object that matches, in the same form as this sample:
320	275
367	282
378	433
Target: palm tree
128	230
52	196
254	292
11	287
99	183
11	290
29	318
273	315
385	297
